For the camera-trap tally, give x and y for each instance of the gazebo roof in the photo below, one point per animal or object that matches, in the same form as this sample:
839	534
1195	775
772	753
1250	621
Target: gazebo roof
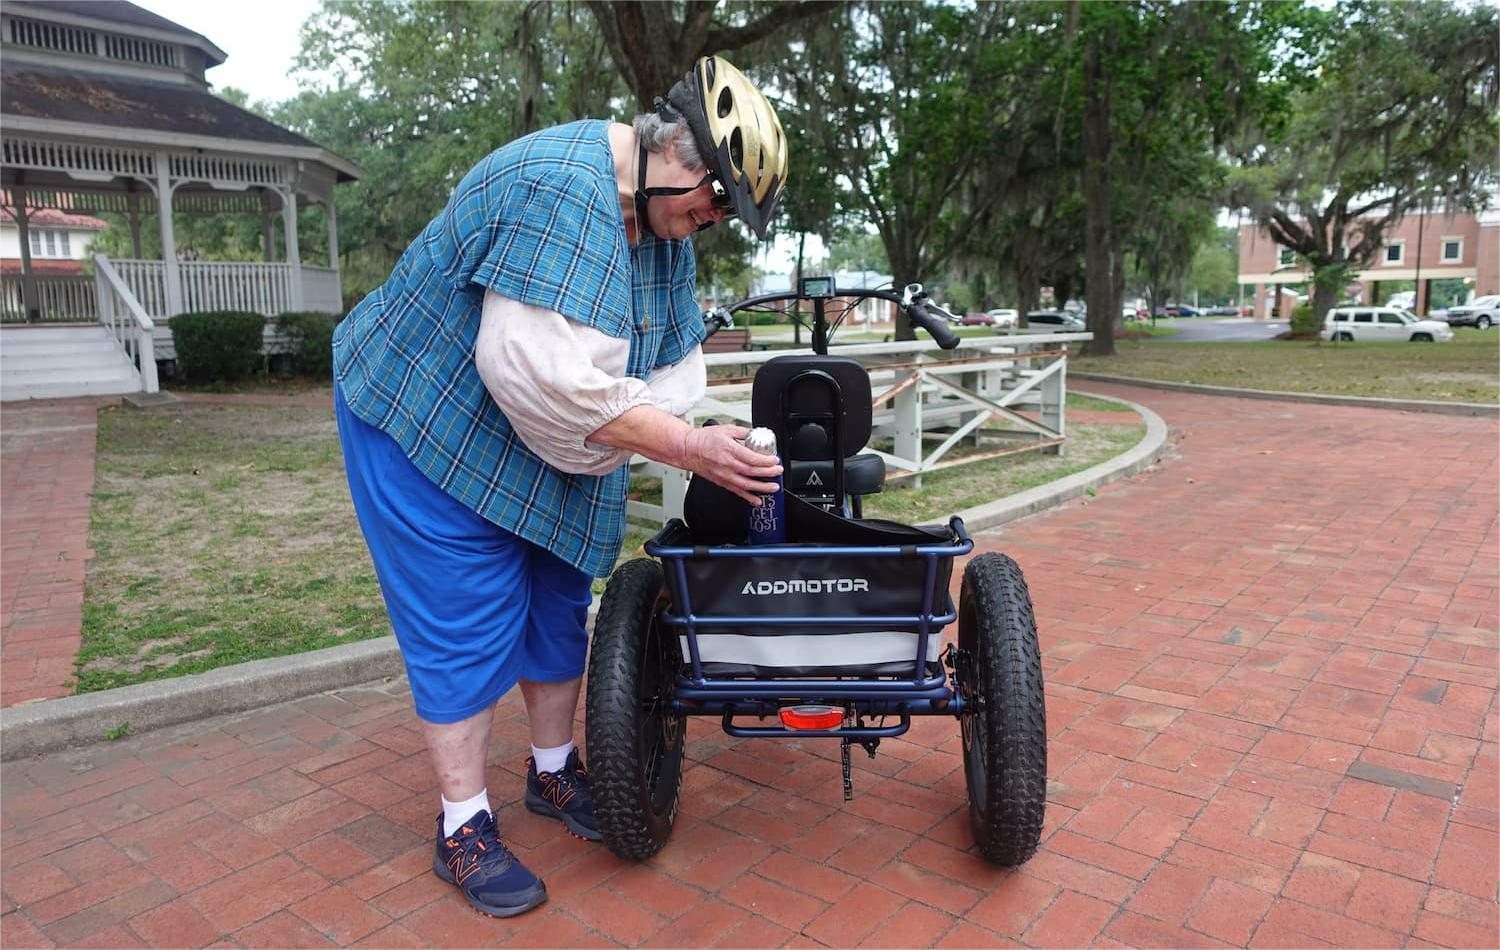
32	91
127	14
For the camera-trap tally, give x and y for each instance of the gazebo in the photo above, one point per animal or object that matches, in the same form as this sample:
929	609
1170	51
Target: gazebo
106	110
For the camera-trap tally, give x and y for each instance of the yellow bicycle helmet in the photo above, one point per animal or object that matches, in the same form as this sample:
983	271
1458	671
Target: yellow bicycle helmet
738	136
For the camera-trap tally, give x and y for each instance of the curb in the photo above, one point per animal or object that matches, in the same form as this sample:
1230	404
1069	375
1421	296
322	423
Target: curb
84	719
1366	402
1141	456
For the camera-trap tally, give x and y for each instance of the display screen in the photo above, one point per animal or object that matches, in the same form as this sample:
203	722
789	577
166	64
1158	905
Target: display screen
813	287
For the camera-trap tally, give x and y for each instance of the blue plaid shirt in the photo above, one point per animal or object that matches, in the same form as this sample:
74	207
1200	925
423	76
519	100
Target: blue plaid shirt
538	221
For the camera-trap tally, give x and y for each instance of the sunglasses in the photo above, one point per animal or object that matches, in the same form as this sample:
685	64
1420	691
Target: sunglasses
720	198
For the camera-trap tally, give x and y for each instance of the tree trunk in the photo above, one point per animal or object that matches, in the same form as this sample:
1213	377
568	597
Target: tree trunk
1028	292
1097	209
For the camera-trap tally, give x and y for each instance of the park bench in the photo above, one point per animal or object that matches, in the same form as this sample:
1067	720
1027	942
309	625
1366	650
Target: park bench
733	340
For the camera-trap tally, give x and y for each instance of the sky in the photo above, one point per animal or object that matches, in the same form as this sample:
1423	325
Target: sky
260	40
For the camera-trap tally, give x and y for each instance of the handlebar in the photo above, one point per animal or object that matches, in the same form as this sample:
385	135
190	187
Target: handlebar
919	308
913	299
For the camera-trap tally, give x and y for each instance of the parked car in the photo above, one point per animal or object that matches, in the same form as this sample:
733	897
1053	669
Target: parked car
1060	319
977	320
1483	313
1183	310
1004	317
1372	324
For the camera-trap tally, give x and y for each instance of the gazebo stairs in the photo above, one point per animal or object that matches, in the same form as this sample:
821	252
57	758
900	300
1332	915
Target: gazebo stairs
54	362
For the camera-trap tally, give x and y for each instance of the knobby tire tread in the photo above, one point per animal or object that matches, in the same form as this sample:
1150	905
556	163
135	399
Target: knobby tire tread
616	771
1008	823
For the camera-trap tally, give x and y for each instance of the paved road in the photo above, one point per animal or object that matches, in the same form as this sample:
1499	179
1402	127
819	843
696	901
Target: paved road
1272	713
1225	329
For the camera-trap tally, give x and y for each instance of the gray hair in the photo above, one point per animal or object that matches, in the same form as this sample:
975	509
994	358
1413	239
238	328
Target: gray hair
657	133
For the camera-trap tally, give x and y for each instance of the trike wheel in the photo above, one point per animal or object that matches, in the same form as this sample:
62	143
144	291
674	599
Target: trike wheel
1004	719
635	741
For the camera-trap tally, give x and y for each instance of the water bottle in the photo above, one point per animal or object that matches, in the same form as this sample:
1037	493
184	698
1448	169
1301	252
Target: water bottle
768	521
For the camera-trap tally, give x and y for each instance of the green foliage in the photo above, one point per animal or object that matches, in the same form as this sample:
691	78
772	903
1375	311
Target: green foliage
418	92
310	335
219	344
1305	319
117	732
858	250
1214	268
1401	117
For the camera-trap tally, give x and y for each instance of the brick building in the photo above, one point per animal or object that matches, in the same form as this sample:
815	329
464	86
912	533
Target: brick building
1419	250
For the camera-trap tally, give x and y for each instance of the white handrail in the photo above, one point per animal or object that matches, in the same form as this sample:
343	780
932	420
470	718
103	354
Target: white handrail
125	318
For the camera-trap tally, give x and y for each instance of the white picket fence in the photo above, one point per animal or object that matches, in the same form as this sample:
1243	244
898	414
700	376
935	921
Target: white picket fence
60	299
919	391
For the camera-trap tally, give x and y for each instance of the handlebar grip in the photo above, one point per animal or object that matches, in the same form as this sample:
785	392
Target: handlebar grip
716	320
936	326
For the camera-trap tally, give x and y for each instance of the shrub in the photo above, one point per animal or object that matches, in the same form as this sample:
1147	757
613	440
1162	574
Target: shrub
218	344
310	336
1305	320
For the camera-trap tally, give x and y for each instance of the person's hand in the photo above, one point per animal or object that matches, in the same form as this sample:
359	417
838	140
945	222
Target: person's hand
717	454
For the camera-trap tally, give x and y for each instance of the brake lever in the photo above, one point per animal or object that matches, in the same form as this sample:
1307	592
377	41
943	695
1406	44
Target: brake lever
719	318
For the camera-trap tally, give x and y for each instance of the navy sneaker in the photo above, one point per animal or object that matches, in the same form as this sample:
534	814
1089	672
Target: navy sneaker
563	794
485	871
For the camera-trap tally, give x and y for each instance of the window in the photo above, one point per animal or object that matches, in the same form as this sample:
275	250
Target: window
1364	316
1395	252
1389	318
1286	258
45	243
1341	316
1453	250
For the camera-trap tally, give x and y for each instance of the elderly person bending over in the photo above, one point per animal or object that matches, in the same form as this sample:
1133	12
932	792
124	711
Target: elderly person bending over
541	330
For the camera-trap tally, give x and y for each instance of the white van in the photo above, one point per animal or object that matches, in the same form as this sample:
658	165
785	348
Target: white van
1381	323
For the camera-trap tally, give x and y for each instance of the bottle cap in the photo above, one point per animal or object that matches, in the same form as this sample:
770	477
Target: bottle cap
761	440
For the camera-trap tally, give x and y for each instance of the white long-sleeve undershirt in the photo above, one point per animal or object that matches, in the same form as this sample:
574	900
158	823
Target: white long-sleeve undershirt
557	381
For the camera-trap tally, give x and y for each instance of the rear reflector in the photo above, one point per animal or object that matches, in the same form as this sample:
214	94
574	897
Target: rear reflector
812	717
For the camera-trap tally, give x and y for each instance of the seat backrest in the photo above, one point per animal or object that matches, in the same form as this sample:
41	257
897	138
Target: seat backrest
818	406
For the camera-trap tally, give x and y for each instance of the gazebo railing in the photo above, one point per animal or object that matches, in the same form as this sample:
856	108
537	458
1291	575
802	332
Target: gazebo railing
264	288
60	299
126	320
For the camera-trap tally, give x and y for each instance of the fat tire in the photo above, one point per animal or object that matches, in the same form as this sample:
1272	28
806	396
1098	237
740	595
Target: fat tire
1005	725
630	658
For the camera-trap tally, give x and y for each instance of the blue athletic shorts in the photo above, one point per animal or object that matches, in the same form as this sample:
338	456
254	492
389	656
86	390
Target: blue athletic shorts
474	607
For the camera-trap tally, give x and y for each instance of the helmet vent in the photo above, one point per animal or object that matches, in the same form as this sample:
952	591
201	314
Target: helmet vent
725	105
737	149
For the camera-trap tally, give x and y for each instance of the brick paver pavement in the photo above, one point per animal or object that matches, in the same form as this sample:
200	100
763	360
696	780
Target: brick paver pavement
1271	694
46	483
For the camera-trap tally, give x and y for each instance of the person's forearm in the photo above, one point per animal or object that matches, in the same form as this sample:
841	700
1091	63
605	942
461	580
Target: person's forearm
648	431
715	452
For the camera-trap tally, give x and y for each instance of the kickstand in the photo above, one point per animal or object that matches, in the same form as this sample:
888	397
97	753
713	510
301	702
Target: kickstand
848	781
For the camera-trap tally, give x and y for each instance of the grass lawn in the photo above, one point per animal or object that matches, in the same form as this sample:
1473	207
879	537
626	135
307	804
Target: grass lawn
1465	370
222	534
225	534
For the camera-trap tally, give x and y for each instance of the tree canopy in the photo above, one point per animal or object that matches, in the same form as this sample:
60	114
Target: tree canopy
999	146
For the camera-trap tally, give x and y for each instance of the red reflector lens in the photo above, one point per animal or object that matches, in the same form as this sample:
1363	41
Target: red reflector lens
812	717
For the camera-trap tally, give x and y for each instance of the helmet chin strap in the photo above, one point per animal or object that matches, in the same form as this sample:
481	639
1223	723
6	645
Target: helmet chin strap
643	195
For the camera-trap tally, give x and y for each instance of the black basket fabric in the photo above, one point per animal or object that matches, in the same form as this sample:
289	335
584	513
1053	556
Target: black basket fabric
800	580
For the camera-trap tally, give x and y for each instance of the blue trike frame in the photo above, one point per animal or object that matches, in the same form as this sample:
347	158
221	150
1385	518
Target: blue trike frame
921	693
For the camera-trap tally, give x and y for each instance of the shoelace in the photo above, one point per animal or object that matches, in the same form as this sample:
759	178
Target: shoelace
468	859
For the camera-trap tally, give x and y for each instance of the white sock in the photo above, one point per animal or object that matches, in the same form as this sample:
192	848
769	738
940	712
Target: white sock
456	813
550	760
